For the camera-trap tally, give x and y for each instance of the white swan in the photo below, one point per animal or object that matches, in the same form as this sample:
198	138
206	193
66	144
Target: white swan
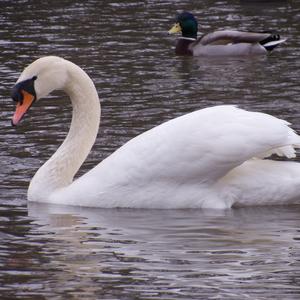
209	158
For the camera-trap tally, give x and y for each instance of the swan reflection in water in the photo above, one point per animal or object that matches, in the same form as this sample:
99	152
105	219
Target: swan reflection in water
166	250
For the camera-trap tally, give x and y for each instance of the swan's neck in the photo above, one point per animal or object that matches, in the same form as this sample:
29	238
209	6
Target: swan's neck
60	169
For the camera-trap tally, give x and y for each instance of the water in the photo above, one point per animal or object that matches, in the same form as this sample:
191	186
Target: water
70	253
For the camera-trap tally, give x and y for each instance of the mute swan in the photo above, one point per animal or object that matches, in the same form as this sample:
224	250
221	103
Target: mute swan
209	158
222	42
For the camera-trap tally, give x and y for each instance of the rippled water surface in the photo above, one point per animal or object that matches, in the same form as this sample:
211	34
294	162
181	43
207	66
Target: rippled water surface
49	252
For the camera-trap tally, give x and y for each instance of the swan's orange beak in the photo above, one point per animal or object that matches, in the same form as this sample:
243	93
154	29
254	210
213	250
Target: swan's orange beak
23	93
22	107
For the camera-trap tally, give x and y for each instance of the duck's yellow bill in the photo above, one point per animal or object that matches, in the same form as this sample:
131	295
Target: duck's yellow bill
23	107
175	29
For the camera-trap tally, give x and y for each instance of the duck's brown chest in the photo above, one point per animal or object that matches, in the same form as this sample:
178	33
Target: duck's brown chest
183	47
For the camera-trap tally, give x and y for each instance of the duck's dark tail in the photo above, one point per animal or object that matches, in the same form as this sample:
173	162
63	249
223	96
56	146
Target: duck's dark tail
272	41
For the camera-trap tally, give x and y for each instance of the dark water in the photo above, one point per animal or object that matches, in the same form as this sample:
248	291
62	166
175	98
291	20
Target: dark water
71	253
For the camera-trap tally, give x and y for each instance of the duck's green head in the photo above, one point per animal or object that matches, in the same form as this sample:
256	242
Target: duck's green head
186	24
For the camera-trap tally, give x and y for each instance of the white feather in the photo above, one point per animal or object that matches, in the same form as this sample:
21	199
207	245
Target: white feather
274	43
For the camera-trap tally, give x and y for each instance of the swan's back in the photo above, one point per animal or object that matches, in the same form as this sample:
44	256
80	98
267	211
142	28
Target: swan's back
203	145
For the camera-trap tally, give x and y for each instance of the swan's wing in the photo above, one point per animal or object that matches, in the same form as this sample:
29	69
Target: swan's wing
224	37
200	147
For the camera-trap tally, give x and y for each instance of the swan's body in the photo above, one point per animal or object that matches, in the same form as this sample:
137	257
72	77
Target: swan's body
221	42
208	158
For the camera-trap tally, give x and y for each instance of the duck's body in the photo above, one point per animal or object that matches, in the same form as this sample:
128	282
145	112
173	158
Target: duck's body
208	158
221	42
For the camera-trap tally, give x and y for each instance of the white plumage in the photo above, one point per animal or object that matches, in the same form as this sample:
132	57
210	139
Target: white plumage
210	158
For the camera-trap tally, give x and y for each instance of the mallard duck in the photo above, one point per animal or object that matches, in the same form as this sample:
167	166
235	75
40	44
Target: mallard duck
204	159
221	42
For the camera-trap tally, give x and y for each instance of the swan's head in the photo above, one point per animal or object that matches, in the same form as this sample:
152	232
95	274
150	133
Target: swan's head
36	81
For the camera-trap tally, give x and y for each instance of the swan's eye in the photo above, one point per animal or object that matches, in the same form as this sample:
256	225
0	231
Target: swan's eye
16	95
27	86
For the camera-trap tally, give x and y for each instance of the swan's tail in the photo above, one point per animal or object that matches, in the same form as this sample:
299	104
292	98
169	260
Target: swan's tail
292	143
290	150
